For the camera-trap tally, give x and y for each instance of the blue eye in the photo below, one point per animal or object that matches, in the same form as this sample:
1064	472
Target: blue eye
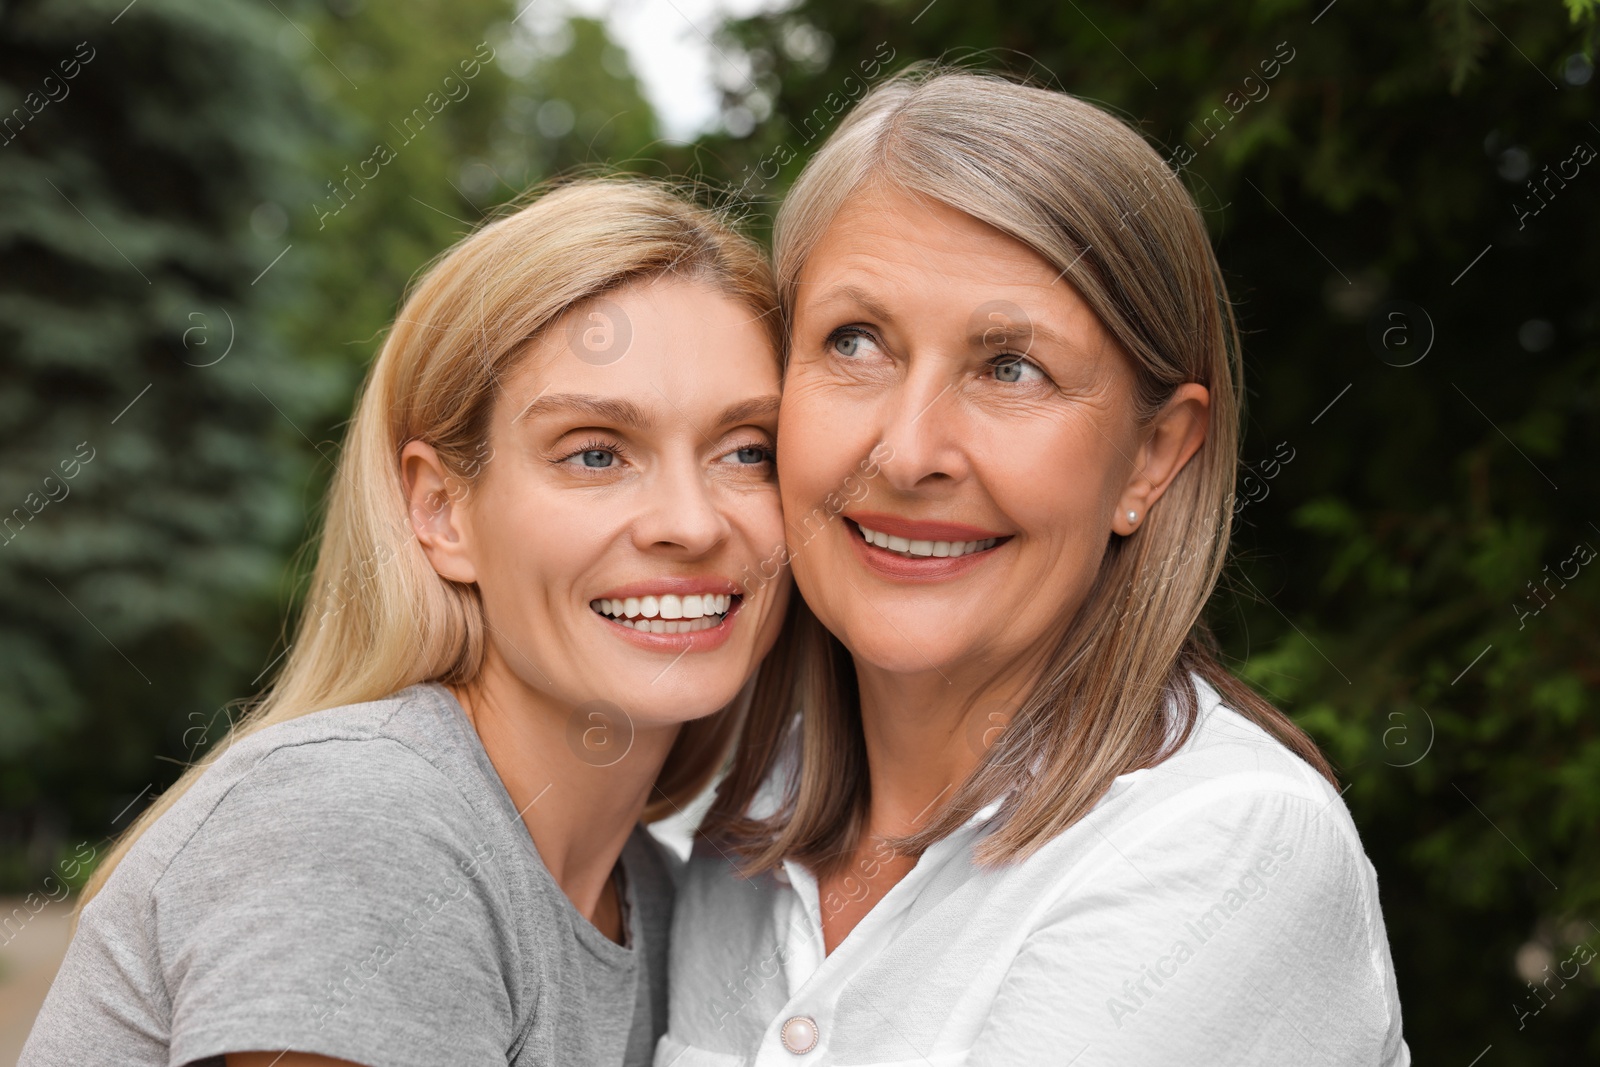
1009	368
748	456
595	455
851	343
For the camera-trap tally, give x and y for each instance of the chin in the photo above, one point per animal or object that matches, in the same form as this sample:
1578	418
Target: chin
910	650
677	696
691	698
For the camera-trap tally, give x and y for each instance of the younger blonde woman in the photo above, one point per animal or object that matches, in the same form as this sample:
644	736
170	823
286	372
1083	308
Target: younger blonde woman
524	633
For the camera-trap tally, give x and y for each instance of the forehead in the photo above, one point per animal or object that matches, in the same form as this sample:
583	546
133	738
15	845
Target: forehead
667	342
905	254
883	227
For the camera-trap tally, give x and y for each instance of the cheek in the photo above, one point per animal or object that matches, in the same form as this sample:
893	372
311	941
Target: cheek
1058	483
528	545
756	518
821	442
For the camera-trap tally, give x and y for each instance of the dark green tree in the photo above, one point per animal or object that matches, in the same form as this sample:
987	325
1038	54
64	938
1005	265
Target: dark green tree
149	411
212	209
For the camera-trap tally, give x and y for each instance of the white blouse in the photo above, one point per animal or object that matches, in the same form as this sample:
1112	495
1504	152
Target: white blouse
1215	909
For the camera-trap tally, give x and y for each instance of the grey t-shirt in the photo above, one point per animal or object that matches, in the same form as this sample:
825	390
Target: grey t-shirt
356	883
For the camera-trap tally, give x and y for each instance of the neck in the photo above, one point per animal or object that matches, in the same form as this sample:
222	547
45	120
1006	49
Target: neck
579	815
925	733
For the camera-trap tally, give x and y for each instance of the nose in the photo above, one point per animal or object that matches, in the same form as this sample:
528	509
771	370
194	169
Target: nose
922	425
681	511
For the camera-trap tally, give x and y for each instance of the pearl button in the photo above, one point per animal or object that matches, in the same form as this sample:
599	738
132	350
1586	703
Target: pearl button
800	1034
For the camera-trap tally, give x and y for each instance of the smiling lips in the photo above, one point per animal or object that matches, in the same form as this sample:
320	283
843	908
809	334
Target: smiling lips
695	613
668	613
672	615
921	548
928	551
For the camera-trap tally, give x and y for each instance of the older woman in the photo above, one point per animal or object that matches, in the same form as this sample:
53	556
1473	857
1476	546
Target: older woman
1012	809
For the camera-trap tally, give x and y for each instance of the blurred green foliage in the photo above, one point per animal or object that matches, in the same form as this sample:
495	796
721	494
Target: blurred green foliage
199	227
139	335
1406	585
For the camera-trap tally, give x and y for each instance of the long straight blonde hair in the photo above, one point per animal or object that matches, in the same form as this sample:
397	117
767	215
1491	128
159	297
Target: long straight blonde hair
1083	190
377	617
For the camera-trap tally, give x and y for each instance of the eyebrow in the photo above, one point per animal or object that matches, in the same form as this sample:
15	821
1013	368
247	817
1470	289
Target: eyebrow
752	410
1023	335
857	295
627	413
602	408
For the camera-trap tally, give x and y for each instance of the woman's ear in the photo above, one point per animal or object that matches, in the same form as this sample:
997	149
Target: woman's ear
1171	440
441	527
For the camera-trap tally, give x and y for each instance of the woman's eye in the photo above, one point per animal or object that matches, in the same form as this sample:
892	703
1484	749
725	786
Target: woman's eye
749	455
851	344
1015	369
593	455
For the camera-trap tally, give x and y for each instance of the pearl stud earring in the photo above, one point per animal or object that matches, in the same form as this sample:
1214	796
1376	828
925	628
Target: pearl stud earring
1133	516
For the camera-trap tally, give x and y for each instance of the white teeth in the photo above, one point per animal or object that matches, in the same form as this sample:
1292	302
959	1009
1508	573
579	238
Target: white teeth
922	549
662	626
660	614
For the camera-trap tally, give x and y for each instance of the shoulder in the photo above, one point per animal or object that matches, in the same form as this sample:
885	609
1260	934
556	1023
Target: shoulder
1233	820
1159	919
1231	800
361	751
324	841
1224	742
336	783
1229	762
1232	824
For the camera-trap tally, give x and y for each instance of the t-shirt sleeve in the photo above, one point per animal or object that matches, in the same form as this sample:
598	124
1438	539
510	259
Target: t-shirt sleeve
340	899
1243	929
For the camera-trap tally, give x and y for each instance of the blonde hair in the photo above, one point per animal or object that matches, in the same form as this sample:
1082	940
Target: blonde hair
1084	191
377	617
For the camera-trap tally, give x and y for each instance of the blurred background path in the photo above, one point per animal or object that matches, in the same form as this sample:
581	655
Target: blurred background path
28	962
